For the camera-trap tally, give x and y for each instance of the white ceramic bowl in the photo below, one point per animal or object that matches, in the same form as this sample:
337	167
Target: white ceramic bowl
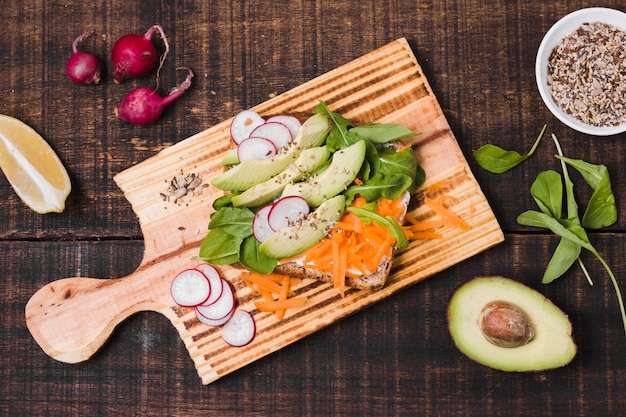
560	29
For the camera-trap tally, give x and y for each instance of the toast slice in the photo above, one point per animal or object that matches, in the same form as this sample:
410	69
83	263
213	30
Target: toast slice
372	281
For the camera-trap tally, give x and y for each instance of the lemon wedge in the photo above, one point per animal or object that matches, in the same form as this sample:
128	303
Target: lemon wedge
33	169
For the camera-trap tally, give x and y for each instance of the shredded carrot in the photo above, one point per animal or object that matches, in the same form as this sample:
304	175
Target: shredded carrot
270	285
405	147
359	201
279	305
437	186
447	200
448	216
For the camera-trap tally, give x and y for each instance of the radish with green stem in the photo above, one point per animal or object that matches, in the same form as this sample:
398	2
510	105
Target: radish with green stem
135	56
83	68
143	105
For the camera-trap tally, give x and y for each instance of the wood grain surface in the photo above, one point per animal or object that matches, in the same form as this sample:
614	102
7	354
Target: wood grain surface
392	358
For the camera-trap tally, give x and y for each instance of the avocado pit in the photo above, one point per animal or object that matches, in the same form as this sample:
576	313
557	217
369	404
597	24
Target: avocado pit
504	324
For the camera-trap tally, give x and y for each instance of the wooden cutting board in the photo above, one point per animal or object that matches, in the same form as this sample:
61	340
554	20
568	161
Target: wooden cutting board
386	85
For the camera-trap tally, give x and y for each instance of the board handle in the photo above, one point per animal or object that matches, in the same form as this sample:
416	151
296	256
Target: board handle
72	318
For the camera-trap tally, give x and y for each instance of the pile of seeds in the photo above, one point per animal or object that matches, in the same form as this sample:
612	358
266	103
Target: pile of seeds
587	74
183	185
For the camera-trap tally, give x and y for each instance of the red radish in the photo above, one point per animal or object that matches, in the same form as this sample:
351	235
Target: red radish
215	279
255	148
214	322
292	122
243	124
275	132
190	288
224	305
134	55
260	225
240	329
83	68
286	211
144	105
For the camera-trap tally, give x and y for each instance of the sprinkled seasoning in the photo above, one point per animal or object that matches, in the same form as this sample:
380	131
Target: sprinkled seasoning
183	185
587	74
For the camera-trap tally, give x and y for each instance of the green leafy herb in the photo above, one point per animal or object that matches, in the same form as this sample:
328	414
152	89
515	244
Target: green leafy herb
497	160
601	210
233	220
380	133
547	191
220	248
253	259
386	221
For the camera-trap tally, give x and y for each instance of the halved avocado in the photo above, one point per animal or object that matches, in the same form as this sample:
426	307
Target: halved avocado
505	325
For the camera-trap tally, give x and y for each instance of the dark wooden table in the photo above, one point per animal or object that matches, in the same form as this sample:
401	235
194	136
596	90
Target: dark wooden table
394	358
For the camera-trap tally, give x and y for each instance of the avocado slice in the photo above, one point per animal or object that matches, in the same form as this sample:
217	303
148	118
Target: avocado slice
293	240
343	169
505	325
312	133
308	161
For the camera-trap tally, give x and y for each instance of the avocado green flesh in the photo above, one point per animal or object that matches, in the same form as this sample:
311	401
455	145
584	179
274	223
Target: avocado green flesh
551	347
344	167
240	177
293	240
265	192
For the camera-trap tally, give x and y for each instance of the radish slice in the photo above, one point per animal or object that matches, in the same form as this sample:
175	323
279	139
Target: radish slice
214	322
277	133
240	329
190	288
260	225
224	305
286	211
215	280
243	124
292	122
256	148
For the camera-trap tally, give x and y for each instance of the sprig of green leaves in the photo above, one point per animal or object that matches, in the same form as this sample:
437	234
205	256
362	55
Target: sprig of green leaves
548	192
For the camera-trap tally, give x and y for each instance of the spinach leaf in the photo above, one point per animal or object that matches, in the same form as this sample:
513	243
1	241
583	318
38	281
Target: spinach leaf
380	133
233	220
566	253
390	187
253	259
497	160
601	210
547	191
563	228
396	173
220	248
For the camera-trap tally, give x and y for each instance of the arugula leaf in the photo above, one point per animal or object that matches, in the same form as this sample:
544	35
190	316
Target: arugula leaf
220	248
497	160
253	259
380	133
233	220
